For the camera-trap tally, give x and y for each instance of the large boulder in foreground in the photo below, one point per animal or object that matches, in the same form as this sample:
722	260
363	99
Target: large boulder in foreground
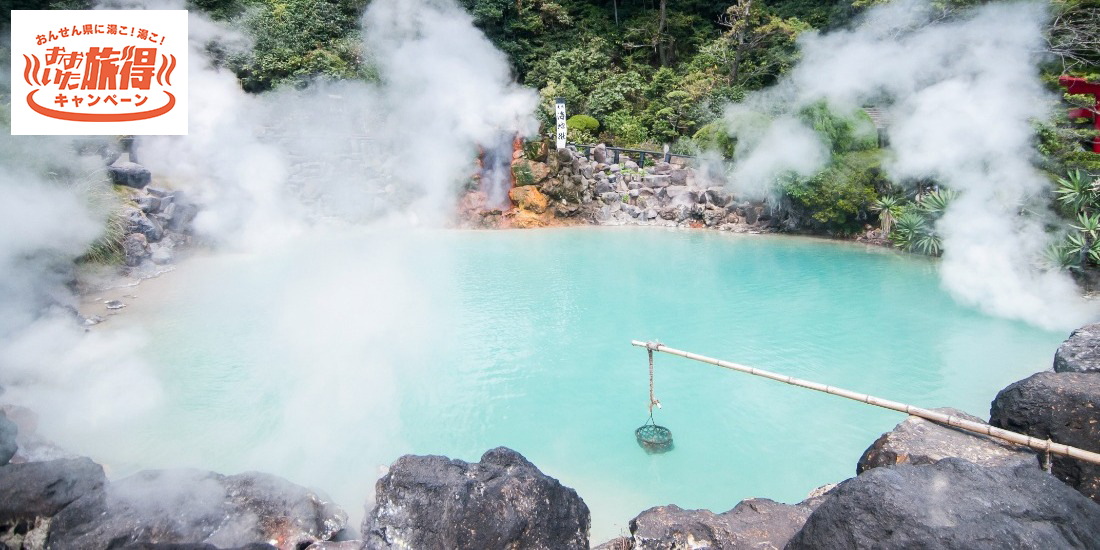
952	504
1080	352
919	441
753	523
1061	406
33	492
196	507
504	501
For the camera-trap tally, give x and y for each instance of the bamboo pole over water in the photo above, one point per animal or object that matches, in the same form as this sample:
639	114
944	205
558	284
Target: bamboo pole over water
950	420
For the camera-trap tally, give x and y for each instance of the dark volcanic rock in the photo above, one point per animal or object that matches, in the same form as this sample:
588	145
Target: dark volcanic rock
191	506
8	446
919	441
1061	406
599	153
130	174
952	504
718	196
1080	352
135	249
504	501
678	176
679	194
138	222
177	216
566	210
150	204
753	523
42	489
31	493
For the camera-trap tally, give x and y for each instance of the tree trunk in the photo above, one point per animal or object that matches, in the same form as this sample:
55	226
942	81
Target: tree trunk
739	52
615	3
661	53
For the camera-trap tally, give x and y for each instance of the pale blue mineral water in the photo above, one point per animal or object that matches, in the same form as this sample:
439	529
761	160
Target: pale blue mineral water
326	359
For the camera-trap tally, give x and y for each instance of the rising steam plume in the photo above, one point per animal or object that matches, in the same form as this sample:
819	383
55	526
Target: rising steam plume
961	94
358	152
266	169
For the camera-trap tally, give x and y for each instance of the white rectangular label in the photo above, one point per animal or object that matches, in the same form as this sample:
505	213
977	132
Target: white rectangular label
561	130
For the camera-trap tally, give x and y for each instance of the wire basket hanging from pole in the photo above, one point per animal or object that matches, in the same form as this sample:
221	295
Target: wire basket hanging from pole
651	437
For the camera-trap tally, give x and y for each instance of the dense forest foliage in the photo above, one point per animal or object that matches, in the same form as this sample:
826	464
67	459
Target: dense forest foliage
645	73
649	72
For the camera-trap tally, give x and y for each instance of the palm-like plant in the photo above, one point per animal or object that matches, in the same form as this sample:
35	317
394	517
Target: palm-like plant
1087	224
927	243
935	203
1088	228
908	227
1062	255
913	232
888	208
1076	192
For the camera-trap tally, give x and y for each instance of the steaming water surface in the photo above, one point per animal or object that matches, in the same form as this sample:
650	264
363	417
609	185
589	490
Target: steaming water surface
326	359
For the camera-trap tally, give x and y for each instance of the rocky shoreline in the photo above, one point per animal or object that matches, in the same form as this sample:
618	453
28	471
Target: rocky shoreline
921	485
594	187
567	187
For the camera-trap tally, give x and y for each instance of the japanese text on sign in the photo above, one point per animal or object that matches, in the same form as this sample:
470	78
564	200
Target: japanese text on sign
561	130
100	72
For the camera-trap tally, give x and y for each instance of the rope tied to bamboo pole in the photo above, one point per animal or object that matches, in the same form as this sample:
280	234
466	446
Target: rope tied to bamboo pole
652	399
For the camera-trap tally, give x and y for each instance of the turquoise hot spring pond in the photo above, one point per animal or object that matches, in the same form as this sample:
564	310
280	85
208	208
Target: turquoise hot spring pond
325	358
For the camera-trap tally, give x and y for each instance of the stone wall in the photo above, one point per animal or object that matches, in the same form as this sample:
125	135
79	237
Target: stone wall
595	189
670	194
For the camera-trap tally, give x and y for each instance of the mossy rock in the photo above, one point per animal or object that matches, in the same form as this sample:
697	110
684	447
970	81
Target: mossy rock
536	150
529	172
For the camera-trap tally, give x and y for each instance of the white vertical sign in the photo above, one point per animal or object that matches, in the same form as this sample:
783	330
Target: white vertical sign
559	112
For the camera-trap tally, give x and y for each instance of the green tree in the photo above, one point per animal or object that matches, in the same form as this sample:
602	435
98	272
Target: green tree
757	45
888	207
1073	35
295	40
839	199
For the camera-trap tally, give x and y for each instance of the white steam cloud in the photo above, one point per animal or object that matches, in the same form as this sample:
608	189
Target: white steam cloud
50	215
960	95
282	168
399	149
